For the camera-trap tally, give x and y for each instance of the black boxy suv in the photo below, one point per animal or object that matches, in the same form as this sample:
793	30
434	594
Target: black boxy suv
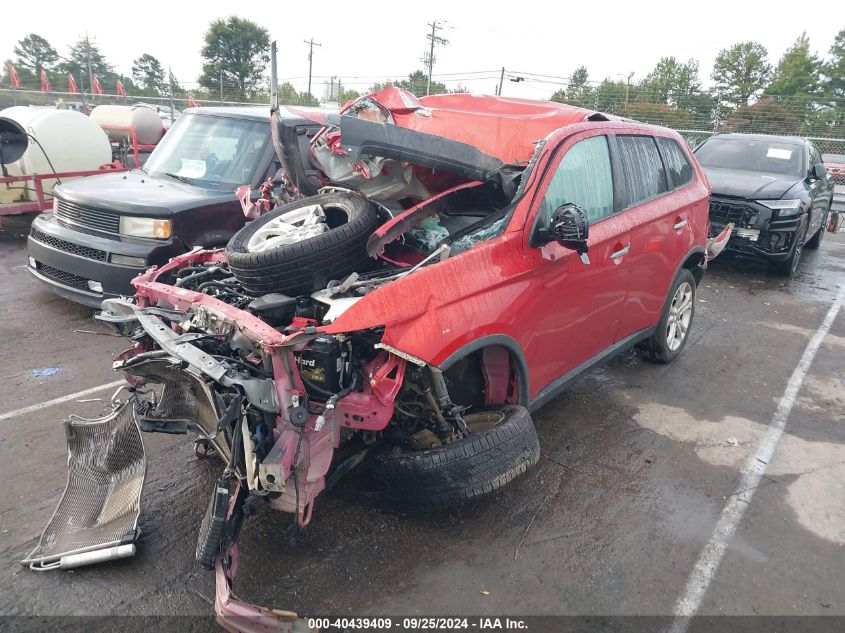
774	189
105	230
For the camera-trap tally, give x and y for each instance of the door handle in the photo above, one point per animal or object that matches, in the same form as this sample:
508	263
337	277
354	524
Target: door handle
620	253
679	225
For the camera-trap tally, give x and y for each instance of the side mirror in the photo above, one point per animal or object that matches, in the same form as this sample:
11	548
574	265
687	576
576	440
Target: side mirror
570	228
819	171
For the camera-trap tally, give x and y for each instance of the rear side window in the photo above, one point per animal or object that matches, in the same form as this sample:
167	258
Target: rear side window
645	176
679	168
582	178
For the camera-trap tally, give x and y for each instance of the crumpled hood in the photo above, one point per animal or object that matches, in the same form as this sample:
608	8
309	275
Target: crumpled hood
137	193
749	184
504	128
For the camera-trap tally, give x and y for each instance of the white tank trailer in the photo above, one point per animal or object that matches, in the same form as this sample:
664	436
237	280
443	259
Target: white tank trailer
119	121
69	140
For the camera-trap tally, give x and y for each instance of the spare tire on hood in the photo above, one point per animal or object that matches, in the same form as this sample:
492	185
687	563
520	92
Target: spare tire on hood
290	250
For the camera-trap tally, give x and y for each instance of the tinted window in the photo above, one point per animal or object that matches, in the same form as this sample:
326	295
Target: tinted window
744	154
679	168
645	176
583	178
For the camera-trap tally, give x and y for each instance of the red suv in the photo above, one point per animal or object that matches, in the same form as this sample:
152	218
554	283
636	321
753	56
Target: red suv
458	260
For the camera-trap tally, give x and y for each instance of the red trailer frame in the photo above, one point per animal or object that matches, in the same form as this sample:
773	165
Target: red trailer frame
136	146
45	200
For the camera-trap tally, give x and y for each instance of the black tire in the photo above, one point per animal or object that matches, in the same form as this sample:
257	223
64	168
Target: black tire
450	475
310	264
656	348
788	266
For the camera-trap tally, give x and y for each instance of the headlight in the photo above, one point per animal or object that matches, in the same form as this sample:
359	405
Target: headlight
144	227
785	208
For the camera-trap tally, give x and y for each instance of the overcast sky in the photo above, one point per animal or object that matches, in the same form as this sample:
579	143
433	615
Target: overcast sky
363	42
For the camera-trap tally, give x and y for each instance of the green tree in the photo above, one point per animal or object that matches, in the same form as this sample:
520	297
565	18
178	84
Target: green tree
798	73
287	93
34	53
345	96
148	73
236	49
416	84
833	87
768	116
381	86
611	96
834	69
77	63
578	91
741	72
671	83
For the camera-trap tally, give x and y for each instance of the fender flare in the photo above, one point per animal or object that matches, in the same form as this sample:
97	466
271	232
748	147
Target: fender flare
695	250
503	340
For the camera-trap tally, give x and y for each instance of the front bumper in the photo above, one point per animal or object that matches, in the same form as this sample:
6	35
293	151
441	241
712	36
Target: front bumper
758	231
77	265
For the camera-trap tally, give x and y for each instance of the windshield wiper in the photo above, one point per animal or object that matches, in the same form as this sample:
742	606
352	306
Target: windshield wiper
185	179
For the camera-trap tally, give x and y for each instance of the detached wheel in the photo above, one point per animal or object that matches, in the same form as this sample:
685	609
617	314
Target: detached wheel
666	344
299	247
503	445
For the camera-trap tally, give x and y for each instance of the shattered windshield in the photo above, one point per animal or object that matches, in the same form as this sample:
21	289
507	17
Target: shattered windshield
210	151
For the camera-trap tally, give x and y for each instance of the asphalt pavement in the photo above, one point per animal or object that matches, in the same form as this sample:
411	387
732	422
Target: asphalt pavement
642	468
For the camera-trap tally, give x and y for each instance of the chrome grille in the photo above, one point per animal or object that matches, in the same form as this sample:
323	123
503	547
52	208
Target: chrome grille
68	247
80	215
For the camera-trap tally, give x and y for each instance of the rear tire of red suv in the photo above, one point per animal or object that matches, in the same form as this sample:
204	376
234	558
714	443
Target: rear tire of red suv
673	329
452	474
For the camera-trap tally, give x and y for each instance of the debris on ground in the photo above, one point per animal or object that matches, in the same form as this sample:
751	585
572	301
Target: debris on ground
45	372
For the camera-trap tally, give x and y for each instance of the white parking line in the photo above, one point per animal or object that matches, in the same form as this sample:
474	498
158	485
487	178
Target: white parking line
708	561
54	401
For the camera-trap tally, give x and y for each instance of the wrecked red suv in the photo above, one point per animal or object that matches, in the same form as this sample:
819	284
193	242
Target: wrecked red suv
449	265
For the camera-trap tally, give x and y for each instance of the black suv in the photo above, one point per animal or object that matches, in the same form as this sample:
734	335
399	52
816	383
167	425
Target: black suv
774	189
105	230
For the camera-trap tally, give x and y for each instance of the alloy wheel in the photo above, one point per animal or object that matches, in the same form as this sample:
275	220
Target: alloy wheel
680	316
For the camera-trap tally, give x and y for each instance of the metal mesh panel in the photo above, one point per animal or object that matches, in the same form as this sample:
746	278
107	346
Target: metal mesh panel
185	400
63	277
101	502
68	247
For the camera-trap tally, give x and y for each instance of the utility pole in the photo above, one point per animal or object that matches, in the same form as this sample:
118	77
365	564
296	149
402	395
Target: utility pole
501	81
311	44
433	39
172	105
221	87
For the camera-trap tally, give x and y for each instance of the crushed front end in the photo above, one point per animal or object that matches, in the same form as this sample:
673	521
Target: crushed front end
758	230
